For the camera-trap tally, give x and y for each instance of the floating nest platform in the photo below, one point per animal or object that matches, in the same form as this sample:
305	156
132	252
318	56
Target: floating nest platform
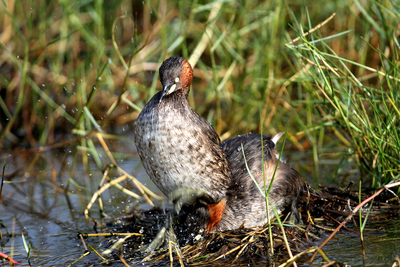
322	212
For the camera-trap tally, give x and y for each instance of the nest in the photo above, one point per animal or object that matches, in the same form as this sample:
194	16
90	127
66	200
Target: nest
322	212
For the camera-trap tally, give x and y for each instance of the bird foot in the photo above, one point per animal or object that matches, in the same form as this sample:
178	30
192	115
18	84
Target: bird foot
180	197
162	239
294	217
187	196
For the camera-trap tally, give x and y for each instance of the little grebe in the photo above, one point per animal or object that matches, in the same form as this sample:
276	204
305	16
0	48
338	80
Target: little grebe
182	154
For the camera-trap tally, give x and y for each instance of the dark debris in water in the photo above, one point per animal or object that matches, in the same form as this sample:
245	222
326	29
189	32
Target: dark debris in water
321	213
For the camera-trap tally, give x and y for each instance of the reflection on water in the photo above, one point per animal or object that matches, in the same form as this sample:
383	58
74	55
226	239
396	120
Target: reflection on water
34	203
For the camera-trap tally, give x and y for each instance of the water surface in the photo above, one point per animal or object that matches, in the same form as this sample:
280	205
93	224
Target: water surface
35	204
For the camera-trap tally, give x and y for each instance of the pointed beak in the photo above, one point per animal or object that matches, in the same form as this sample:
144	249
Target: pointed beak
167	89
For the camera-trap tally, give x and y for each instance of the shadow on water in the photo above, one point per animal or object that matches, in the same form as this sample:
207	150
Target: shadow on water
35	204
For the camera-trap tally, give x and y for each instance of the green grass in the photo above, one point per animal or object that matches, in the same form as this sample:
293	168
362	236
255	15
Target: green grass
361	102
63	72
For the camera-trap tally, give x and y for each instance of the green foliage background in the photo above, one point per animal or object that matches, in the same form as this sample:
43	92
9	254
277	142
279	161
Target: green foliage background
326	71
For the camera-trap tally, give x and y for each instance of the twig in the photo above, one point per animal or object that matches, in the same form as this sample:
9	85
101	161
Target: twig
83	242
329	264
396	196
315	28
102	189
2	177
289	261
121	258
6	257
396	259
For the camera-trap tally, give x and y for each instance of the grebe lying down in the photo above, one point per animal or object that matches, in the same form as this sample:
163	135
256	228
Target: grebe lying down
182	154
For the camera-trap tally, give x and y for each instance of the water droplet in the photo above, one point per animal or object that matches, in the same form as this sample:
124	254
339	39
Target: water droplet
239	148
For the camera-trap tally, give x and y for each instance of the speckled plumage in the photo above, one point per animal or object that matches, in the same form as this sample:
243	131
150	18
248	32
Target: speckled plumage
245	203
180	149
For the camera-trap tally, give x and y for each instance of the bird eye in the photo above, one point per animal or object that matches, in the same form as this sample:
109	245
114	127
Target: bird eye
176	79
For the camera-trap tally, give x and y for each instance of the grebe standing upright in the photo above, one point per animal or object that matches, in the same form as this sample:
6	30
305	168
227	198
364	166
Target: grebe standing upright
182	154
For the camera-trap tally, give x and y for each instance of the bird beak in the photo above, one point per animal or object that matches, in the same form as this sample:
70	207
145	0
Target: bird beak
168	89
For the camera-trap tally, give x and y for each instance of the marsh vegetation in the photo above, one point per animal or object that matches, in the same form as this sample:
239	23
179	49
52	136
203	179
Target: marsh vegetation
74	76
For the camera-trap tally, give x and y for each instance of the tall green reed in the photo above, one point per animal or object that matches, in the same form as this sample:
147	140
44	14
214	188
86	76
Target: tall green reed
363	109
64	65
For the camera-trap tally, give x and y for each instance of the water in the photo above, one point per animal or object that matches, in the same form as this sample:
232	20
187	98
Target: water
34	204
381	243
